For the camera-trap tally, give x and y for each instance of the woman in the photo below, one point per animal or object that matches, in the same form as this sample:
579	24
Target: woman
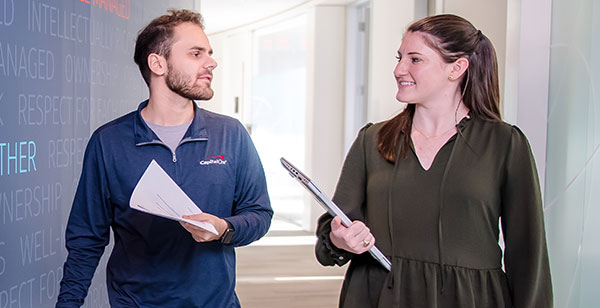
432	184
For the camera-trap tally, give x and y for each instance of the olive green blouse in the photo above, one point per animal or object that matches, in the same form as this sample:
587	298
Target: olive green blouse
440	227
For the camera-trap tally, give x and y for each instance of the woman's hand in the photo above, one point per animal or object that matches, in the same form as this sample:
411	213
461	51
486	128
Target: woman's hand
356	239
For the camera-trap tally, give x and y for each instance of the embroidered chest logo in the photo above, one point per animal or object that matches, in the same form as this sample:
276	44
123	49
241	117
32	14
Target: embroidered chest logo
214	160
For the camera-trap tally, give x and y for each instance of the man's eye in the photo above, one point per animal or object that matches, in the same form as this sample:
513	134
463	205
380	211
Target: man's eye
415	60
398	57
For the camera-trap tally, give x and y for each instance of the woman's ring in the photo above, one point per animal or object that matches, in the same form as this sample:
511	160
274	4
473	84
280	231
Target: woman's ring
366	243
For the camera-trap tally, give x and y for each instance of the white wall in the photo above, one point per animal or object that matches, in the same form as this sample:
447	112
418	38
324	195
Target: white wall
532	74
389	19
489	16
520	32
326	89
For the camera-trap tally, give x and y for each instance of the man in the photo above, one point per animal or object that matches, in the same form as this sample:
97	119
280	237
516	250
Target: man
156	262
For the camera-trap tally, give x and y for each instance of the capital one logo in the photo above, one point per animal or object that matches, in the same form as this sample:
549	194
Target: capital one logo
214	160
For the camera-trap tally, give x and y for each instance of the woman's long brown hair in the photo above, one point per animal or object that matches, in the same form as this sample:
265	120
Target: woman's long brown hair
453	37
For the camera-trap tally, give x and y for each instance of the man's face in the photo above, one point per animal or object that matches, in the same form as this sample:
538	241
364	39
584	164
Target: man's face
190	63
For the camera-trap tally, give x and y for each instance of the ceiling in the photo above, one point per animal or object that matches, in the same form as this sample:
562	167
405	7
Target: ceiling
221	15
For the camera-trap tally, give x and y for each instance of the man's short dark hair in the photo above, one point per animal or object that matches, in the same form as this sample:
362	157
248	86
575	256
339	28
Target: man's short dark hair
157	37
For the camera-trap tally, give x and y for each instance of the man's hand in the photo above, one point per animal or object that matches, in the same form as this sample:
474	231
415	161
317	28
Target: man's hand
200	235
356	239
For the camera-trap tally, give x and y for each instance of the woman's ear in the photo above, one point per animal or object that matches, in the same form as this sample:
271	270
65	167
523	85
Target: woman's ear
459	67
157	64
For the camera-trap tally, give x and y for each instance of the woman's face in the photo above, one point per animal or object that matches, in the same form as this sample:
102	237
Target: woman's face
421	74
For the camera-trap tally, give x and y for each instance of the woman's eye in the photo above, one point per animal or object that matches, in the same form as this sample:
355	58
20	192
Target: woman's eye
415	60
398	57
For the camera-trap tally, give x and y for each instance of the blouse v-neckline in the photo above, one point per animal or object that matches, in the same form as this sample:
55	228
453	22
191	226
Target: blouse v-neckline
435	156
459	126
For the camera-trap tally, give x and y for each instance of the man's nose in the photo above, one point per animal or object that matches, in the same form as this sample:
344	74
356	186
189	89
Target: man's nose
211	64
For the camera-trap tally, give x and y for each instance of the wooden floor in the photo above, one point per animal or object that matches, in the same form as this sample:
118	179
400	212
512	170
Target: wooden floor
281	271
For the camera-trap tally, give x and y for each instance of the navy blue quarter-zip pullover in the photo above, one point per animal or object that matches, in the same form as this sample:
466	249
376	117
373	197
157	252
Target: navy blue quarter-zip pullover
155	262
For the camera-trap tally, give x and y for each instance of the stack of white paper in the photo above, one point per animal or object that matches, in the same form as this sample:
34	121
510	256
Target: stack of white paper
156	193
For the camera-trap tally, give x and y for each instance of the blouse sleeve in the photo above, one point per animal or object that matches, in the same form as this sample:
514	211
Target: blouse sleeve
349	196
526	255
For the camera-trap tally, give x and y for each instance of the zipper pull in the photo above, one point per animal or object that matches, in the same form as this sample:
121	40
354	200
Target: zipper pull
174	157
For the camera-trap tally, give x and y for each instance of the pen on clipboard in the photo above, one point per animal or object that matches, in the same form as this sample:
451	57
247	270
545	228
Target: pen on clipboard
330	207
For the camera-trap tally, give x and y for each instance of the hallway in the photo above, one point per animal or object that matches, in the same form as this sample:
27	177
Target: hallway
280	270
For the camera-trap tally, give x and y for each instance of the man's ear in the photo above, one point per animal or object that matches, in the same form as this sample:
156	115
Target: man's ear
157	64
459	67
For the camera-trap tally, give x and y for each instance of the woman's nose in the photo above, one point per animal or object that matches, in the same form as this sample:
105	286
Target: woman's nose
400	69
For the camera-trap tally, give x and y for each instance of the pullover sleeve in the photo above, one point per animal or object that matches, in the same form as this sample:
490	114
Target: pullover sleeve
88	228
525	256
252	213
350	197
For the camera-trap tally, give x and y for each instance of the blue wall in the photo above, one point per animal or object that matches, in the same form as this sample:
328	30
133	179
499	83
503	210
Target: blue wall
65	68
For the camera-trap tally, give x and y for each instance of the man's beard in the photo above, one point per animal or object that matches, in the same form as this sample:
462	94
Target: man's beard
180	84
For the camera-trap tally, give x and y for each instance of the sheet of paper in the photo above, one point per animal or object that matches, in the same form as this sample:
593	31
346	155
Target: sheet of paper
156	193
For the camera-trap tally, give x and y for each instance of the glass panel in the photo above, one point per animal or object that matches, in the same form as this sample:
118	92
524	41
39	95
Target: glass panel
572	200
278	107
